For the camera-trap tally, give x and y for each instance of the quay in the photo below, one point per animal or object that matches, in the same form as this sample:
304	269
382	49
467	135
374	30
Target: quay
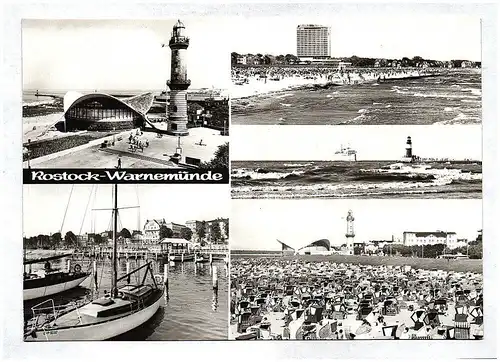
146	254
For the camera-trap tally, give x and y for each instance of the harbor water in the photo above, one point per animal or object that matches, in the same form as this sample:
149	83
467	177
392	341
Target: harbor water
192	311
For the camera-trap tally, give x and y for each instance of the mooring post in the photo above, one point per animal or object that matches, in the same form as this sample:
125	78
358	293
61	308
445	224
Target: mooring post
182	258
94	266
211	258
215	281
165	280
69	266
128	271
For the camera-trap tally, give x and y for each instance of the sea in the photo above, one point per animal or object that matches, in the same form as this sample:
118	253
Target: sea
192	311
453	98
360	179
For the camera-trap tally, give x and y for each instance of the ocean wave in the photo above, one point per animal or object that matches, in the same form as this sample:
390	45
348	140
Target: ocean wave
284	95
474	91
263	174
342	190
441	95
448	109
286	104
297	164
38	103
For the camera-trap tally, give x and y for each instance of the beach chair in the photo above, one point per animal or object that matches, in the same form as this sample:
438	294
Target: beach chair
363	311
476	313
243	321
390	331
432	319
461	324
441	305
327	331
390	307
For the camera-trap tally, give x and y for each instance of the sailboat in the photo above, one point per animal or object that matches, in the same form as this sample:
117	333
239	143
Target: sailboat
50	281
122	310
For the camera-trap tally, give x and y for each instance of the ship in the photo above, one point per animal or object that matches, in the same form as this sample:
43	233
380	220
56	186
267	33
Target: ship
345	154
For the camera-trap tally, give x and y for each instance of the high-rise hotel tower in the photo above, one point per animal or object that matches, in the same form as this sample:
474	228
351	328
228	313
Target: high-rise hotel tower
313	41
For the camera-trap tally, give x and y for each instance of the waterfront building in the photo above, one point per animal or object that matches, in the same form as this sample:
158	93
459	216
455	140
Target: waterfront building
104	112
313	41
195	225
449	239
318	247
152	228
286	249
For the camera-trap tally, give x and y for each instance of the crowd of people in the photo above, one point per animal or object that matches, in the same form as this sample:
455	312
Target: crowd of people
272	298
241	76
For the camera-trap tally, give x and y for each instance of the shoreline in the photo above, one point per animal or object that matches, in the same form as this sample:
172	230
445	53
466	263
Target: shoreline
294	83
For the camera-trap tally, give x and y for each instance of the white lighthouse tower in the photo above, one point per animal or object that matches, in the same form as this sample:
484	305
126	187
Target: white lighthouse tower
178	83
349	235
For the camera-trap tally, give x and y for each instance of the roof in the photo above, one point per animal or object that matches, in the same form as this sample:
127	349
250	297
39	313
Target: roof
174	223
284	246
423	234
322	242
140	103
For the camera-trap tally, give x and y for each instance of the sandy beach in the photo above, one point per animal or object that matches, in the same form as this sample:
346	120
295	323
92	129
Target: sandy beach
244	86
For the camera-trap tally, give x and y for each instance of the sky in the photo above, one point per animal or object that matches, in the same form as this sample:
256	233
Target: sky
176	203
119	54
315	143
438	37
257	223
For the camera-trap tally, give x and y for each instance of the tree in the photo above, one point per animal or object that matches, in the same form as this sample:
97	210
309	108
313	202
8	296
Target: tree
56	239
165	232
226	227
201	230
97	238
215	232
70	238
220	160
186	234
124	233
234	58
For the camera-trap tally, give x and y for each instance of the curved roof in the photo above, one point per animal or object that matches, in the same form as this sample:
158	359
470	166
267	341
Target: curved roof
140	103
284	246
322	242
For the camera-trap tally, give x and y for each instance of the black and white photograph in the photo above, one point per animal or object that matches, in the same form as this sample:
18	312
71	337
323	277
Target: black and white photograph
150	93
356	70
125	262
356	269
357	162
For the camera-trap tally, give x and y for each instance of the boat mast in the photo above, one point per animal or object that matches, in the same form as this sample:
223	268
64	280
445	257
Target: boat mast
114	291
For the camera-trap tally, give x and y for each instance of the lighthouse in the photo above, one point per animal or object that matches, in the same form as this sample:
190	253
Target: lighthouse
408	147
349	235
178	83
408	157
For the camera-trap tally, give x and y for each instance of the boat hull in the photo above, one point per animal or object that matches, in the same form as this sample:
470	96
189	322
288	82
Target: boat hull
45	291
100	331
